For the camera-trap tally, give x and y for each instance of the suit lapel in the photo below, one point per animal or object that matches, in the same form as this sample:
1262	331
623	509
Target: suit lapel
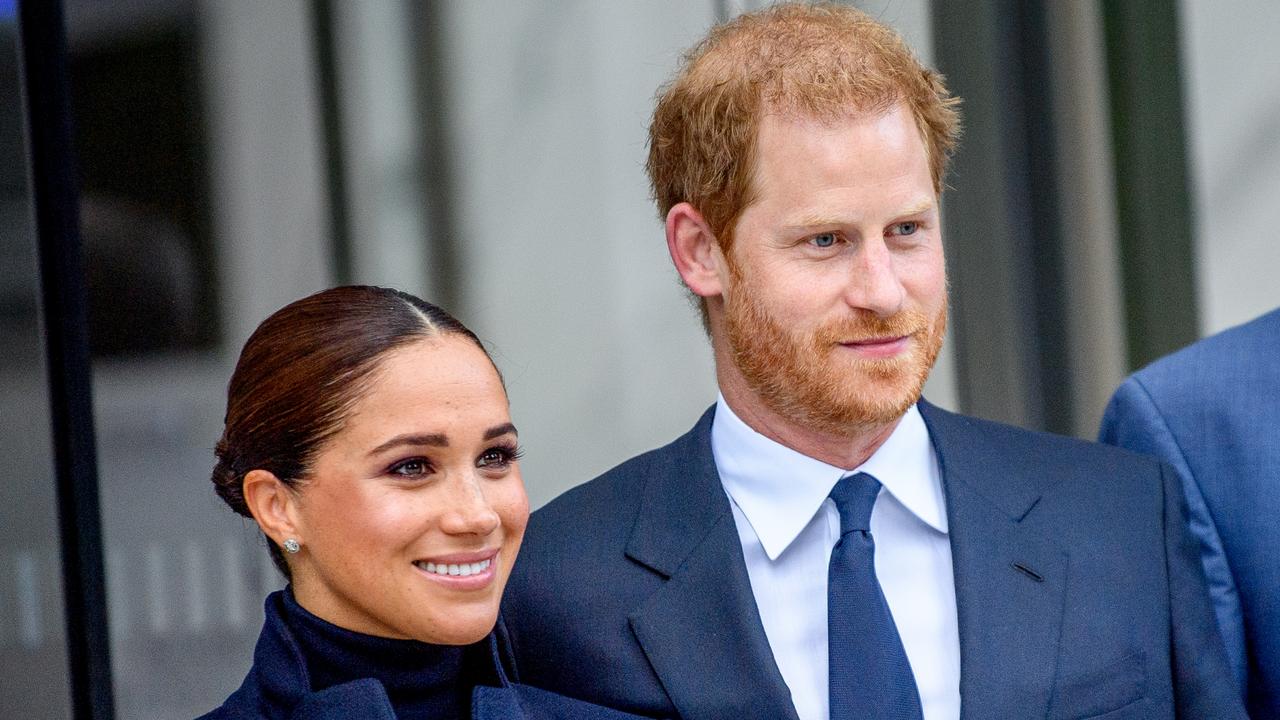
701	630
1010	577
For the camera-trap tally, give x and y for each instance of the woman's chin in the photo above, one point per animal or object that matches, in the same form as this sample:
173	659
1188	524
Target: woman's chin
457	628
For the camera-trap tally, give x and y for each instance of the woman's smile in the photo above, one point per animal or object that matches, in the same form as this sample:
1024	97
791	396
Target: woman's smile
463	571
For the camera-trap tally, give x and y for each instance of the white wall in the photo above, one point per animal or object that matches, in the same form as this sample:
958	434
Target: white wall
1232	96
567	272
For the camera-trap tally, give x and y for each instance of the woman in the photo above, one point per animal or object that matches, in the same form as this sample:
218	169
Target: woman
368	434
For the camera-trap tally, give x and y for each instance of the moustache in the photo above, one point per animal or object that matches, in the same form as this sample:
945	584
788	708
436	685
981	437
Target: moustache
865	326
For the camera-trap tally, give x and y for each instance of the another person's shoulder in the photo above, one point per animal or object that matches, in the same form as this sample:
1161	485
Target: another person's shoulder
1232	377
1219	356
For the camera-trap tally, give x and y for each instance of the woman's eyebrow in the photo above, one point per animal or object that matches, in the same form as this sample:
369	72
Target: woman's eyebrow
500	430
435	439
439	439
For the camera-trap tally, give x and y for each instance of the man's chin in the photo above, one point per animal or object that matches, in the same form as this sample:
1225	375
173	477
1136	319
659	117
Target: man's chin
851	414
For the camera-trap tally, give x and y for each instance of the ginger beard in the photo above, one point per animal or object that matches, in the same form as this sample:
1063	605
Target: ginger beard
806	377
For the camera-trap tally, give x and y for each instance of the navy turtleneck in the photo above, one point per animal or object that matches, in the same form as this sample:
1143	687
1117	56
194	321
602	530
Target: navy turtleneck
422	681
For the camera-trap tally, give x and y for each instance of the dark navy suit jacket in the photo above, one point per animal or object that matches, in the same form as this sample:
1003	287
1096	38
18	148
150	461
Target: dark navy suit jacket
1079	592
1212	411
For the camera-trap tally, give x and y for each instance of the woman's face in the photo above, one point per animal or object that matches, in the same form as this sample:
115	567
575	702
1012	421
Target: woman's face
413	512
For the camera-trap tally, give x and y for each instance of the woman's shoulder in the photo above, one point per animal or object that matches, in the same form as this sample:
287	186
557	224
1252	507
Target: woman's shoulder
241	705
529	703
235	708
225	713
364	698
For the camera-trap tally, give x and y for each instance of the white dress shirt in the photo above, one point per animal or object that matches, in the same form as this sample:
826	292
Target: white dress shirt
788	528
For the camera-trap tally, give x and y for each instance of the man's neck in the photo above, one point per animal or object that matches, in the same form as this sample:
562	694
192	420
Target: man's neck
846	451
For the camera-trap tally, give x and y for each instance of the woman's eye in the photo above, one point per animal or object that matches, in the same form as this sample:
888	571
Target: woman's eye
825	240
906	228
497	457
411	468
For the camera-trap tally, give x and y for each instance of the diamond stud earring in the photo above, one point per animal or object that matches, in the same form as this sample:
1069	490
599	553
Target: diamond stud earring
292	546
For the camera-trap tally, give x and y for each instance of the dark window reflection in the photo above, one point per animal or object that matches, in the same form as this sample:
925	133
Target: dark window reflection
136	97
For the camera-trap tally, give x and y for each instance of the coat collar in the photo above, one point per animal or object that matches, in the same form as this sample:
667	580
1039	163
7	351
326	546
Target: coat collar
284	685
705	615
279	684
1011	577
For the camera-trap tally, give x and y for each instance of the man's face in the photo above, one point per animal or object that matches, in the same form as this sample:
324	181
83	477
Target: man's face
835	295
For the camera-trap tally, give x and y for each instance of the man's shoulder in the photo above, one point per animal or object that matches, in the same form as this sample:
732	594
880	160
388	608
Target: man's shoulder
1002	443
605	499
623	484
602	511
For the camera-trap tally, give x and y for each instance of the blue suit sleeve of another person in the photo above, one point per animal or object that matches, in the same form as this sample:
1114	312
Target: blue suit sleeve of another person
1133	421
1212	410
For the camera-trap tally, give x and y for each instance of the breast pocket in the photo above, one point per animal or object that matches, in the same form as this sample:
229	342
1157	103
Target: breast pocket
1102	691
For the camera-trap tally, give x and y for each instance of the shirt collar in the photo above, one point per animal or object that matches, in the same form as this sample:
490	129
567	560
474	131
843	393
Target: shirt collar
779	490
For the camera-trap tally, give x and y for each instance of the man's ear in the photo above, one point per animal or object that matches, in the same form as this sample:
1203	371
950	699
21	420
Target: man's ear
695	251
273	505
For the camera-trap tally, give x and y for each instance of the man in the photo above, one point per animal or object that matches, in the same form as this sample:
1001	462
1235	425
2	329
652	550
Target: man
823	543
1212	411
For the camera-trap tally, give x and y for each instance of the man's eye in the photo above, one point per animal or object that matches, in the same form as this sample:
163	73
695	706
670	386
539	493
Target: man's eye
906	228
825	240
411	468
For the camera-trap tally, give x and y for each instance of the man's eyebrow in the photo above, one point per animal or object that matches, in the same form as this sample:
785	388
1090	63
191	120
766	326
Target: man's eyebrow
434	439
922	206
500	430
814	220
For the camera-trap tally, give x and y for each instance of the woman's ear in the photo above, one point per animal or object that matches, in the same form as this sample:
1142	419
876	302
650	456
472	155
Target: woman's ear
695	251
273	505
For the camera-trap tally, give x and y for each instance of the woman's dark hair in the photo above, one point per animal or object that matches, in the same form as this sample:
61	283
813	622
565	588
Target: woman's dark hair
300	373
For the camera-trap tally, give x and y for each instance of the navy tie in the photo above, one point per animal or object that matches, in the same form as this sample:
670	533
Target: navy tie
870	677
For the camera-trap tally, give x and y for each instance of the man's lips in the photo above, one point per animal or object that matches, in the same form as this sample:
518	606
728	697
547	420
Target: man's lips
880	347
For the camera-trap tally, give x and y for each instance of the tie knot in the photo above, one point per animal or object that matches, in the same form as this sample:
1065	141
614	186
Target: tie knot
854	496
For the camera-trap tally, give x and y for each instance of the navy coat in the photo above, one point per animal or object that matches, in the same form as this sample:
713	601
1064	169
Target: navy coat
1212	411
277	688
632	591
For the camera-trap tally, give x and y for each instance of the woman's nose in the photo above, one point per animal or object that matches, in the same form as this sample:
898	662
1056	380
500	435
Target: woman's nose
471	513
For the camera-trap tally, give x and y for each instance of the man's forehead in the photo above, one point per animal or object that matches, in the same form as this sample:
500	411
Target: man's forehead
781	111
849	144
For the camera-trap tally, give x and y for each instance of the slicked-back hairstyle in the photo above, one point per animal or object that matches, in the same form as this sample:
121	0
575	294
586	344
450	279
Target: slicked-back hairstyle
301	372
814	61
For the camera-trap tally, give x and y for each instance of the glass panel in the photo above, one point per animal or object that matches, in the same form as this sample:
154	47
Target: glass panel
162	93
33	660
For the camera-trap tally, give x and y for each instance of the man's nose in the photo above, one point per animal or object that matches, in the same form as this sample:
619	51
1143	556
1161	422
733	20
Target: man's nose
873	283
469	511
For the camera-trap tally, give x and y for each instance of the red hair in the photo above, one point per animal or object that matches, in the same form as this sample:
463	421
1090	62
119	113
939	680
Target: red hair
820	61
